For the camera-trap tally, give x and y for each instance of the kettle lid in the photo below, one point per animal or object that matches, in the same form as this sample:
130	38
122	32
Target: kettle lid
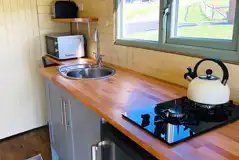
209	75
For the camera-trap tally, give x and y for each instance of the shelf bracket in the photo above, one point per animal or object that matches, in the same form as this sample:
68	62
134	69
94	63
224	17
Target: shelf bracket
89	28
71	28
77	28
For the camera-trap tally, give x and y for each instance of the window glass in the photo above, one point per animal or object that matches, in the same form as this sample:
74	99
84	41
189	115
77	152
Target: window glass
206	28
140	19
212	19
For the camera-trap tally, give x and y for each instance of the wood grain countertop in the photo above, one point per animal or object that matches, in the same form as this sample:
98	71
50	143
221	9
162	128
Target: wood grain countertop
128	90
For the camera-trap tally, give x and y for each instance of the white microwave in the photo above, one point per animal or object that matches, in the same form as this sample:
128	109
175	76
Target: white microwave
65	46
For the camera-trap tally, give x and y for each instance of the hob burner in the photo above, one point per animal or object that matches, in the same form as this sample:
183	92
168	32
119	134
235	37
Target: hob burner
174	112
181	119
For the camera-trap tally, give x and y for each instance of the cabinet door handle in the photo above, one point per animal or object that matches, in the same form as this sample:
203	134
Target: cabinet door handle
65	115
62	112
68	113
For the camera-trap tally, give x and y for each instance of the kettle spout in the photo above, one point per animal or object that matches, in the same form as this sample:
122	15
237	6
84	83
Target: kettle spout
189	75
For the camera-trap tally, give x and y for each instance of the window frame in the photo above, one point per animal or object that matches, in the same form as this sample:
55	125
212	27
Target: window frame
204	42
205	48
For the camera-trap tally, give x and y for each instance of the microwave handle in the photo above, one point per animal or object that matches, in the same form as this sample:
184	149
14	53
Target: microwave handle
97	149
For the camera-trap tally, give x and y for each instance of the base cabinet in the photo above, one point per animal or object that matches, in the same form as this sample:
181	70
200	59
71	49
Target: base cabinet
73	127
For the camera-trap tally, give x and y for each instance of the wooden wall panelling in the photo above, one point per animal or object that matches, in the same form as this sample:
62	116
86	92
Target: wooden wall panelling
166	66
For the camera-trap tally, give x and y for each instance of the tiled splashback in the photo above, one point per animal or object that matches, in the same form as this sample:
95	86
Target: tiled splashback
46	26
166	66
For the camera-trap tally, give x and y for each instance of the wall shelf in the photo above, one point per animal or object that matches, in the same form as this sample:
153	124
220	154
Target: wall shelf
87	20
76	20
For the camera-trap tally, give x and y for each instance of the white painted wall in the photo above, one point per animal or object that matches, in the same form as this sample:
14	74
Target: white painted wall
22	102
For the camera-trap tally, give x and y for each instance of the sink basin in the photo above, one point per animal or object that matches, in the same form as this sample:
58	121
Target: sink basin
66	68
86	71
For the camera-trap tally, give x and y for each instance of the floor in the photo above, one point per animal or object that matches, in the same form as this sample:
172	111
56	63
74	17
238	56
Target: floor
26	145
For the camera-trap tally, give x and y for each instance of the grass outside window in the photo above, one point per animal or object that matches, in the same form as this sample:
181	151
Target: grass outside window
189	25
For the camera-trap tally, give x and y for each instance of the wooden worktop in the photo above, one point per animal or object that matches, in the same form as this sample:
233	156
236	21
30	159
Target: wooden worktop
128	90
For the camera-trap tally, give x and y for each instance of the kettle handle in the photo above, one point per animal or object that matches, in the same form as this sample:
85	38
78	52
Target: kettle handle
220	63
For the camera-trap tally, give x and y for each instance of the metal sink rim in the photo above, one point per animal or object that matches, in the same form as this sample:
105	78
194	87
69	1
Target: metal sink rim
64	70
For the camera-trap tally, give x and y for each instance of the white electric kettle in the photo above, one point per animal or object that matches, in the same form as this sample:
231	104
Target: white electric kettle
208	89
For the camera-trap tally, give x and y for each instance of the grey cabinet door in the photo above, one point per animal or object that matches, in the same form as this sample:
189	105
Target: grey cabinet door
73	126
85	127
47	89
57	120
69	150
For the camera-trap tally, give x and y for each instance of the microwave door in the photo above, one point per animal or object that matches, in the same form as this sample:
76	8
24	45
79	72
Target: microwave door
52	46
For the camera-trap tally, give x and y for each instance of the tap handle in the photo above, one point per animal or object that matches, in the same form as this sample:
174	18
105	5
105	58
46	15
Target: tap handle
95	54
99	54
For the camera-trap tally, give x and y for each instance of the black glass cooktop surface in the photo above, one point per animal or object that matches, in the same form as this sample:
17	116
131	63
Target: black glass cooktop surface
181	119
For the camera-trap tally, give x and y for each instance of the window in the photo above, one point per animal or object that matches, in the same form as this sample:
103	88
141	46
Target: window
140	20
207	28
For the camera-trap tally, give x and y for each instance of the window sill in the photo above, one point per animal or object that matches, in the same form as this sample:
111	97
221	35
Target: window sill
231	57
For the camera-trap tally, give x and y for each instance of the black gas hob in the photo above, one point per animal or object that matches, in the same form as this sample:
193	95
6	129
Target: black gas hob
181	119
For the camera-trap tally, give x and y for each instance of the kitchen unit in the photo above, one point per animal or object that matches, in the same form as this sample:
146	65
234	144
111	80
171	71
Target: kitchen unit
85	116
73	127
75	131
128	91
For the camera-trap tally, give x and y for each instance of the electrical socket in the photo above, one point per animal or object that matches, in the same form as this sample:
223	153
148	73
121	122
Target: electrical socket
81	6
108	23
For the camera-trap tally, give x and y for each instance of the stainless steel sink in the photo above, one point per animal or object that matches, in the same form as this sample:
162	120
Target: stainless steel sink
86	71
